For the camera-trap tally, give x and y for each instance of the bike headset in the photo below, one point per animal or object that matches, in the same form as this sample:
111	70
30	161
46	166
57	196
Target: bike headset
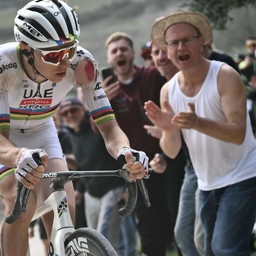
42	24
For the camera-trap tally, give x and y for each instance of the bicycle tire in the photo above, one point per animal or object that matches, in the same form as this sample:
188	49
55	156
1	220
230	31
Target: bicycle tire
88	242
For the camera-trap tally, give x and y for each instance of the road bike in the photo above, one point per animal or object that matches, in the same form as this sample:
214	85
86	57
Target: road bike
65	240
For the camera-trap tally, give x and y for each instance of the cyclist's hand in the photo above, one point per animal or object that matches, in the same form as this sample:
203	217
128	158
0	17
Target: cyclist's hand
28	170
136	162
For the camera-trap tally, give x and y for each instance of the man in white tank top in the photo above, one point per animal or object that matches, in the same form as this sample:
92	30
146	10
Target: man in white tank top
206	102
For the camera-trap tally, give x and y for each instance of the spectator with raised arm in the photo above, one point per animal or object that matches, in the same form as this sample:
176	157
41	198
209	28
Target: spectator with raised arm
206	102
187	227
41	67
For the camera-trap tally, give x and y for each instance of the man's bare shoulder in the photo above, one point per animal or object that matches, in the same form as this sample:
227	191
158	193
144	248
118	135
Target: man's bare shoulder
230	82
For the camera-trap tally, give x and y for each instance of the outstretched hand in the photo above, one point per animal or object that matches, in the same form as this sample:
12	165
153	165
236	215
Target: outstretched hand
159	117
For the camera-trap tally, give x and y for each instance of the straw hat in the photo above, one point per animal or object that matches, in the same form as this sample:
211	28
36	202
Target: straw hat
195	19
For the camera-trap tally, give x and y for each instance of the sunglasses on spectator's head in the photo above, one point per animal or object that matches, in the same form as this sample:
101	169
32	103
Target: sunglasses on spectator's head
54	57
251	44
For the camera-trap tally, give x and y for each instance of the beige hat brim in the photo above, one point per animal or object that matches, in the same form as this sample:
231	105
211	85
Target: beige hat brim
195	19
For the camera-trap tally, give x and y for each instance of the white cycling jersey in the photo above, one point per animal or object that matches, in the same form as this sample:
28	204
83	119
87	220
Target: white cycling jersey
28	105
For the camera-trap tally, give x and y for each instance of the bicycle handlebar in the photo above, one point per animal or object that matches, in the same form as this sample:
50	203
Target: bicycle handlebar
61	178
19	204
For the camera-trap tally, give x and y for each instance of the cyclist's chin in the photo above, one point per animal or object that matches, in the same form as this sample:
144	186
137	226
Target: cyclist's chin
60	76
56	78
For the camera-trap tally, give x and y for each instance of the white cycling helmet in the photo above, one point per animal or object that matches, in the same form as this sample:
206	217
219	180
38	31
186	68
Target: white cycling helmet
46	23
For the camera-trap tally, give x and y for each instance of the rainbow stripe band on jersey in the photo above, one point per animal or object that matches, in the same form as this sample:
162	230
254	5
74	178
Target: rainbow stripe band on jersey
5	171
35	114
4	122
103	115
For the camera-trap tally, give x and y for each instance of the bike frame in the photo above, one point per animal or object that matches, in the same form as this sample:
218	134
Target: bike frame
57	202
62	223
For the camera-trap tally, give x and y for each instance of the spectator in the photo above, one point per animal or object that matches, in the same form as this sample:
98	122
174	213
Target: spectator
251	44
66	145
251	102
187	218
210	54
205	101
102	194
238	58
64	141
135	85
145	54
248	65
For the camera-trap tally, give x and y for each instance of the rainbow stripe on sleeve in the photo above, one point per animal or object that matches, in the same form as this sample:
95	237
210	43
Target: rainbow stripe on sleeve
4	171
4	121
103	115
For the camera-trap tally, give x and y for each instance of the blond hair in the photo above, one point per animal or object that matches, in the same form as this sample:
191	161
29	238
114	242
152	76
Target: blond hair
118	36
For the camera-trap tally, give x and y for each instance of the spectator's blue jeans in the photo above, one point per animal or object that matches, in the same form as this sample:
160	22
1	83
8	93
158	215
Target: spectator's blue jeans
228	216
128	242
185	223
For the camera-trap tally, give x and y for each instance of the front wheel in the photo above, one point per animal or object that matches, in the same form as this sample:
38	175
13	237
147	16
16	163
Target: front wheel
88	242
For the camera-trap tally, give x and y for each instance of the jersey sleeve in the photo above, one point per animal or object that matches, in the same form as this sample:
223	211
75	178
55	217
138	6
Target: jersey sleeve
97	102
4	110
94	95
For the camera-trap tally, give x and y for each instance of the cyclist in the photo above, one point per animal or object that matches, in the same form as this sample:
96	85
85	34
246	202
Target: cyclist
36	72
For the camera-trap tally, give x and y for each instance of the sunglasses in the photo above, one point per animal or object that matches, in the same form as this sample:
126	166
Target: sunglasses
54	57
251	45
71	111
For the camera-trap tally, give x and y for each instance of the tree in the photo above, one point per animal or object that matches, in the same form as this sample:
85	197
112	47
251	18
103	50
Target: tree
217	11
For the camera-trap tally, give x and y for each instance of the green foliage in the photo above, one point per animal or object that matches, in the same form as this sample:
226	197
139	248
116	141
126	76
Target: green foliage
217	11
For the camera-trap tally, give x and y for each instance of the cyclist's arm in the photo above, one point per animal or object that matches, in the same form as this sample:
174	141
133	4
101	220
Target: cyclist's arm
8	152
114	137
87	77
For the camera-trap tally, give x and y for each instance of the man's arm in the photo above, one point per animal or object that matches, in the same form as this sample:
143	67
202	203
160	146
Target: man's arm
170	140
